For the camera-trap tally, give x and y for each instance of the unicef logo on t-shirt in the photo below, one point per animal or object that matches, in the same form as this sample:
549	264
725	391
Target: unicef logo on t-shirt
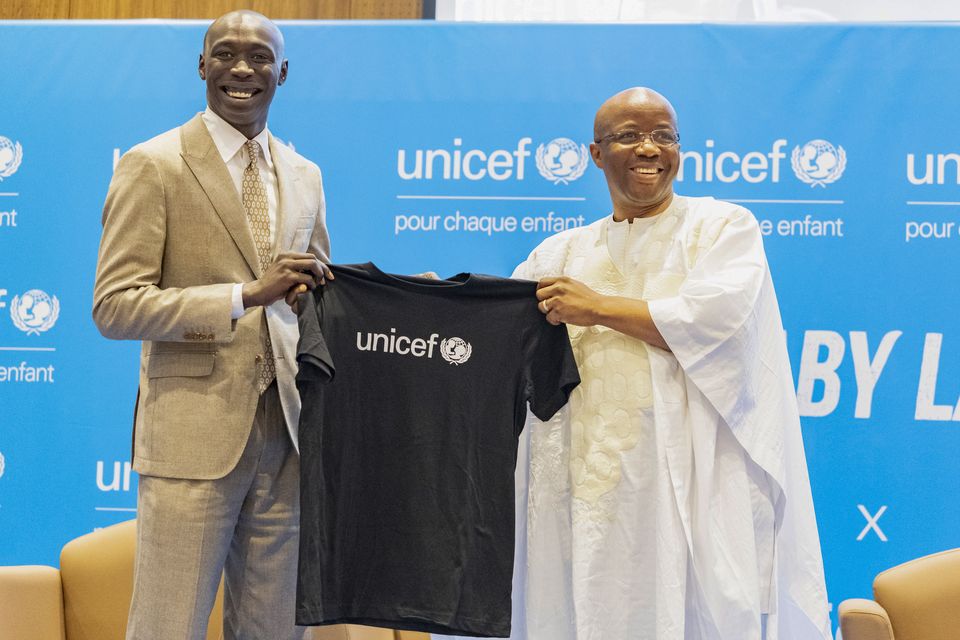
455	350
818	163
561	160
34	311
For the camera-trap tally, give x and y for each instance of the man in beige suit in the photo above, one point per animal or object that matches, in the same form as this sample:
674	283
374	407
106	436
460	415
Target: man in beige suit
209	231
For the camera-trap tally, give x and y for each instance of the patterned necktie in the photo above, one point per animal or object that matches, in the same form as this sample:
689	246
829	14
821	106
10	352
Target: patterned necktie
255	202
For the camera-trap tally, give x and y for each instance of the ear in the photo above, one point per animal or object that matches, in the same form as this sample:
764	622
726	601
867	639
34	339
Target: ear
283	73
200	68
595	154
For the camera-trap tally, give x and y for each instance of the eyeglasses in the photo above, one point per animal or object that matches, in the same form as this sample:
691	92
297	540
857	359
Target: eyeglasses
661	137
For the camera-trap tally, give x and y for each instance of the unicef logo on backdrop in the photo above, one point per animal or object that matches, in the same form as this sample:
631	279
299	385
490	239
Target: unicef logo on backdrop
3	464
818	162
455	350
562	160
34	311
11	153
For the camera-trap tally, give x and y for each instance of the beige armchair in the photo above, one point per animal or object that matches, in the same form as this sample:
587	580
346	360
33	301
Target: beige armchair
89	596
917	600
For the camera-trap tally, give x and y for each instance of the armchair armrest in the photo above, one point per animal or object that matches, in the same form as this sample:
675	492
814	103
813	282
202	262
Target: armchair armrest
862	619
31	604
348	632
357	632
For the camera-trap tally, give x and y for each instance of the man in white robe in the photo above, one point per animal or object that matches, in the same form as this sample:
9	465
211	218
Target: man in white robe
670	499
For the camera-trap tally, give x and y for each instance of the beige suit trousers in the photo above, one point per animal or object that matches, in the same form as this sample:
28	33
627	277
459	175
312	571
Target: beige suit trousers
244	524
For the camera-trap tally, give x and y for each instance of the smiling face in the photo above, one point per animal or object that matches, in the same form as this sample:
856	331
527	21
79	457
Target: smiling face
242	63
640	177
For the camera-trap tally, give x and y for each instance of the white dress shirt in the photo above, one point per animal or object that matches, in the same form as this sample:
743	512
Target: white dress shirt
231	144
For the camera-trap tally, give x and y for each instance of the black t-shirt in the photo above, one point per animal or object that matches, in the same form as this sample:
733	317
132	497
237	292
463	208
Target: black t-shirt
414	394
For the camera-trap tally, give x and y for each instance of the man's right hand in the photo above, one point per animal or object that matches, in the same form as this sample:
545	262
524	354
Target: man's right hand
290	272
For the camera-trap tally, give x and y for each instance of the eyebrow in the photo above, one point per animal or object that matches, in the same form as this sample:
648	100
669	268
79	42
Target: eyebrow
632	124
231	42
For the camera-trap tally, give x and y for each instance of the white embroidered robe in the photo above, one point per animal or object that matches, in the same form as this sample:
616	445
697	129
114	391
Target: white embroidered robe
670	499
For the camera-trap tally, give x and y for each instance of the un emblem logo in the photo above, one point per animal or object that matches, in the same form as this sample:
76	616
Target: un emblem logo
34	311
11	153
818	163
561	160
455	350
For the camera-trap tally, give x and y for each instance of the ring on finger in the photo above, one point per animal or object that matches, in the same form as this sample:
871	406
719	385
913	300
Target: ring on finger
543	305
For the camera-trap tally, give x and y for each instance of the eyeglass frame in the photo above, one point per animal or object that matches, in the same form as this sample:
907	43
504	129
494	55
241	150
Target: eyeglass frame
644	136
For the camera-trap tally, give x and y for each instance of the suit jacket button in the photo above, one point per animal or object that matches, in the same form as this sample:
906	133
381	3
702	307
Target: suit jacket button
258	359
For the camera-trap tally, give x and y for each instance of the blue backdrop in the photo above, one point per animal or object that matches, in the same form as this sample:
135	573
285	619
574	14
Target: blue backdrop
457	148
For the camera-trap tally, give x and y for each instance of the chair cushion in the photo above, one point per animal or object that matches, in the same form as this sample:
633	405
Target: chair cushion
922	597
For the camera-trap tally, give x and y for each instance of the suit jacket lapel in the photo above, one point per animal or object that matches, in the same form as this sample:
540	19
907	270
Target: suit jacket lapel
288	178
201	155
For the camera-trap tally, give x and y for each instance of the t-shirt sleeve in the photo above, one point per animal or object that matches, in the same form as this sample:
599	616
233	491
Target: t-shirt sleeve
549	367
313	356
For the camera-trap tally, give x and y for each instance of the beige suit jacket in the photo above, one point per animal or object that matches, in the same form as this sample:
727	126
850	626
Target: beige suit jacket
175	241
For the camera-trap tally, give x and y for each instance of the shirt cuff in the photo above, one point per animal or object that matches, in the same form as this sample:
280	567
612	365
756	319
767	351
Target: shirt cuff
237	309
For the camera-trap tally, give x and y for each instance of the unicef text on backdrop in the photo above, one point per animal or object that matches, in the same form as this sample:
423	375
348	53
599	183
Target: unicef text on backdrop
458	222
927	230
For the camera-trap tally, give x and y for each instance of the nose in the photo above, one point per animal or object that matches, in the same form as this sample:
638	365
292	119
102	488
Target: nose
241	68
647	147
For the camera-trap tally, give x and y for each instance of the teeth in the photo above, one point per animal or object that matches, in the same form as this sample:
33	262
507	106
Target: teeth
646	170
239	94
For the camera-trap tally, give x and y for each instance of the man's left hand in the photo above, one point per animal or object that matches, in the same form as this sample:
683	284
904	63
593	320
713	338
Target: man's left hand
564	299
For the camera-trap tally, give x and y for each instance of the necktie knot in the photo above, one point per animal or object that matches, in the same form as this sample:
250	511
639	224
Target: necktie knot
253	152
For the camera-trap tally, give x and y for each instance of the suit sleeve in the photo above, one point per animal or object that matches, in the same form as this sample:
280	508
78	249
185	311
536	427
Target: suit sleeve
128	301
320	239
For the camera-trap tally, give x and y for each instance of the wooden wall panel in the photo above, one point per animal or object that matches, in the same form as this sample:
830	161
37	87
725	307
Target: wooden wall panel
209	9
34	9
374	10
